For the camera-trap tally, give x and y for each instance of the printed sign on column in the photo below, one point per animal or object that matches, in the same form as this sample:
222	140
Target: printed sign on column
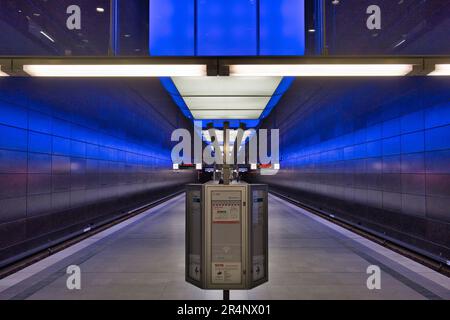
226	207
226	272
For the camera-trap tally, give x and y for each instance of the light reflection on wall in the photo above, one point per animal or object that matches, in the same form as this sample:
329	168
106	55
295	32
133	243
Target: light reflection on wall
76	153
374	152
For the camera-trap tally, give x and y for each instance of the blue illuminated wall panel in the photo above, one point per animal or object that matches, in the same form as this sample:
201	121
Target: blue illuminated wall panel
172	28
77	153
375	152
227	28
282	27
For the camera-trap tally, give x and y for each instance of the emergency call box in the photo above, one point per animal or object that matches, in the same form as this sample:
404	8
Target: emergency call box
226	236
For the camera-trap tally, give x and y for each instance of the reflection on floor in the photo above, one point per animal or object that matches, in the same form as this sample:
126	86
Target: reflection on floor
143	258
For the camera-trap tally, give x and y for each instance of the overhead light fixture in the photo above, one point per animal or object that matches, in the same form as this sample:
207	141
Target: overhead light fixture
226	86
226	97
226	103
400	43
441	70
321	70
114	70
226	114
47	36
100	10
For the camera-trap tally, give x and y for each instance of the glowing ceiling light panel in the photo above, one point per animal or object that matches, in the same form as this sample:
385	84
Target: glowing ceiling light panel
114	70
230	104
226	97
227	86
322	70
226	114
441	70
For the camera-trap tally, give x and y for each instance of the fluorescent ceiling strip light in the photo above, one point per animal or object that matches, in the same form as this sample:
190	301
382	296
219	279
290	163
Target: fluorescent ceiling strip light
114	70
322	70
441	70
229	104
47	36
219	114
226	86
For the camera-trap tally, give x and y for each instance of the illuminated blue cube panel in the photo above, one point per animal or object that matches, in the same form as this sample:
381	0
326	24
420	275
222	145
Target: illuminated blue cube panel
226	28
172	28
282	27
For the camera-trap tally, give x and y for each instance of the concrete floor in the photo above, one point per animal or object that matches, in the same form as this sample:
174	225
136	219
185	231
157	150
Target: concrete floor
143	258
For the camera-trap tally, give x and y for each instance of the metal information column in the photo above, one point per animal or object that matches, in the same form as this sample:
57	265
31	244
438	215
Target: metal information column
226	236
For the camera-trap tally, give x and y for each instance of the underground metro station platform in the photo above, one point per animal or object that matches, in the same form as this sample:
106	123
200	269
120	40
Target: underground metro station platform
240	150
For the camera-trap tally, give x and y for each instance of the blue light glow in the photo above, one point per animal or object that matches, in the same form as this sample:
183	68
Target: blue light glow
172	28
176	97
279	92
282	27
227	28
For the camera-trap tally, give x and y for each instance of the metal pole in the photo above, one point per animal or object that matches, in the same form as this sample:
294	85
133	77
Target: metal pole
324	28
226	151
113	28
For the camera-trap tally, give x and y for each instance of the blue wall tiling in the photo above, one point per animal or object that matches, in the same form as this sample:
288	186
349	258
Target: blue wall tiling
373	151
76	153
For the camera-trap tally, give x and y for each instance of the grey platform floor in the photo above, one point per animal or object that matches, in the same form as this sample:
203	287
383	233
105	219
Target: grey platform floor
143	258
